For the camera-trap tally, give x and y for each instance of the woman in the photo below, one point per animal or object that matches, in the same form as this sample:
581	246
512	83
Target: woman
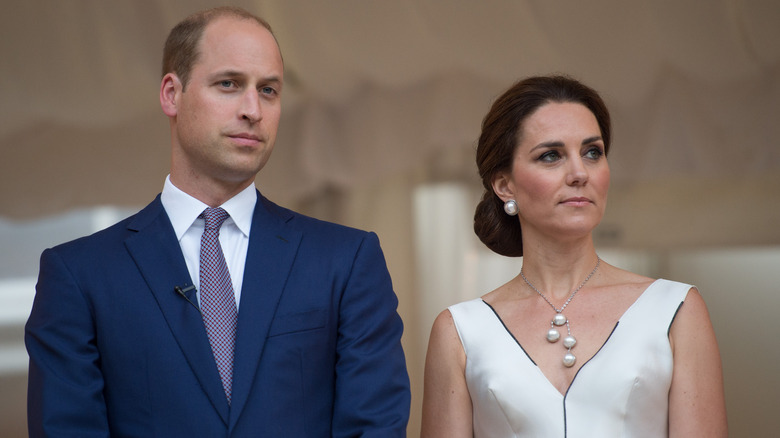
571	347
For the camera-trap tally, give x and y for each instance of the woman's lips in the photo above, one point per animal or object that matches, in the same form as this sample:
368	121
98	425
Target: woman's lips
576	202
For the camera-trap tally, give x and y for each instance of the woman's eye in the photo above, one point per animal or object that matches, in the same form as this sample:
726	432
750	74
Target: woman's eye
549	156
594	153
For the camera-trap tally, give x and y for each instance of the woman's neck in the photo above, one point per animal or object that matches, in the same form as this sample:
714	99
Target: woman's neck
556	269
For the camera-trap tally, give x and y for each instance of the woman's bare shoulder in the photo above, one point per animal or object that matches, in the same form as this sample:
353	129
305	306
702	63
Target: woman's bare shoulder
622	279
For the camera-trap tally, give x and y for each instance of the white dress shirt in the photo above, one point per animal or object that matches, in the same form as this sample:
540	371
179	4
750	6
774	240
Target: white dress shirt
183	211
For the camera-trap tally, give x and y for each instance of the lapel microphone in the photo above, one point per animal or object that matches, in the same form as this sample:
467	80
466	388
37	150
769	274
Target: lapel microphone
183	292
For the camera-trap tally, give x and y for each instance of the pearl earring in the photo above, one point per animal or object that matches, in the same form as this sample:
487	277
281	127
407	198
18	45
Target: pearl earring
510	207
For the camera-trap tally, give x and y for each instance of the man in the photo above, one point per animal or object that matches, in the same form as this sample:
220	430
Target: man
169	324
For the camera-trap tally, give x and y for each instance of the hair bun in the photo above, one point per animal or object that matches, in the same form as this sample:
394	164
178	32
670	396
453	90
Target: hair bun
497	230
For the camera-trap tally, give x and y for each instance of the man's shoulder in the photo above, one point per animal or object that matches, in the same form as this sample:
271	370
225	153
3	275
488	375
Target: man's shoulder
103	239
312	225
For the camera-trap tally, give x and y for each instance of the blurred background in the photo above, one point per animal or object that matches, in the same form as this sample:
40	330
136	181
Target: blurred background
382	107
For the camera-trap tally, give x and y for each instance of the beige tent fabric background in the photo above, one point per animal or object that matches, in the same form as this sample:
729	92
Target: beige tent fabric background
375	87
382	97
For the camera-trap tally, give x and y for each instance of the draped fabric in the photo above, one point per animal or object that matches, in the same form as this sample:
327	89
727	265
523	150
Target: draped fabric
376	88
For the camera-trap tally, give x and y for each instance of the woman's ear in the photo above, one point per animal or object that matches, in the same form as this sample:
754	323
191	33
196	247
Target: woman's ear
503	187
170	90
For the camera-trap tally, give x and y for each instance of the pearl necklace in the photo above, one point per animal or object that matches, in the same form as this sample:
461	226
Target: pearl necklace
553	335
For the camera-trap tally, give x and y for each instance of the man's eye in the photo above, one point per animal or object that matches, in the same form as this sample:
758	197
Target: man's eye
268	90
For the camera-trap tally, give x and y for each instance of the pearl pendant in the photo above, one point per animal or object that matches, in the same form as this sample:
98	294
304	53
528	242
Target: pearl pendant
559	319
568	360
553	335
569	341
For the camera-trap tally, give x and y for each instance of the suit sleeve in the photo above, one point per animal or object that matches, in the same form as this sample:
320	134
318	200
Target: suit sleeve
372	384
65	384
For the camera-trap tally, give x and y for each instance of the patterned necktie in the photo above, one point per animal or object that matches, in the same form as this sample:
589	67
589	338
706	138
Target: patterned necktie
217	300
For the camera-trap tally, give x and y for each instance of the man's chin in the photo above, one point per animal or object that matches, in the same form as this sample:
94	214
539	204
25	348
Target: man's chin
241	175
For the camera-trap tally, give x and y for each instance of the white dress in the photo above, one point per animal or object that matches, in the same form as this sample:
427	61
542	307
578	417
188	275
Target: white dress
623	391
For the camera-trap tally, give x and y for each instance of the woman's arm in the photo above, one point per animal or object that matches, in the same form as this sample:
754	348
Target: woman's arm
447	410
697	406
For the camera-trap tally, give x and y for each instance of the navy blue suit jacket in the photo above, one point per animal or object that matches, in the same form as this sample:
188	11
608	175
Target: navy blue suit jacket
114	350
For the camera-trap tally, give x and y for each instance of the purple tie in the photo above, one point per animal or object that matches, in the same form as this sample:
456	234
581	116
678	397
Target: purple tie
217	300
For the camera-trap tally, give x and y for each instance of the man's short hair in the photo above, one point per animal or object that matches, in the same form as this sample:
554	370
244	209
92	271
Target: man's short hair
181	49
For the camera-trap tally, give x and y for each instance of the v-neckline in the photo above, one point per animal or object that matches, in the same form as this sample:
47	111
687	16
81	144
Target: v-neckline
571	383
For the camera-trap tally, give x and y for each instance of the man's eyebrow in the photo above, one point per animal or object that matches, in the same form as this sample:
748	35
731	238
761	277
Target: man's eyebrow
233	74
226	74
273	79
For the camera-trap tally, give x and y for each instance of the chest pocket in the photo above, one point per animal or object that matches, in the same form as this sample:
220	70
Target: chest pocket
298	322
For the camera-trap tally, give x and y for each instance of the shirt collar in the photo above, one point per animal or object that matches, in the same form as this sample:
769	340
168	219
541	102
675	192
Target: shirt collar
183	210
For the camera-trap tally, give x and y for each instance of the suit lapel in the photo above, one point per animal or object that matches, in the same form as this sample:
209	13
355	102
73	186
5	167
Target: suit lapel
272	248
158	256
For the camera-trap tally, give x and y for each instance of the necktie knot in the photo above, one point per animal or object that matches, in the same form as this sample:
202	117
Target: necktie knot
214	217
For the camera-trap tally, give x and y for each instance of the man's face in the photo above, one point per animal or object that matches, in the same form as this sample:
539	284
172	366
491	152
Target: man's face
226	117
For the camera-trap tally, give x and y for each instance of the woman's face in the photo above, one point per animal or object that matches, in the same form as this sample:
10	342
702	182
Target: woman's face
559	175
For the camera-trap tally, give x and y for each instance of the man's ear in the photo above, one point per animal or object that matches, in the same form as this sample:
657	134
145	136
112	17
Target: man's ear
170	91
503	187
